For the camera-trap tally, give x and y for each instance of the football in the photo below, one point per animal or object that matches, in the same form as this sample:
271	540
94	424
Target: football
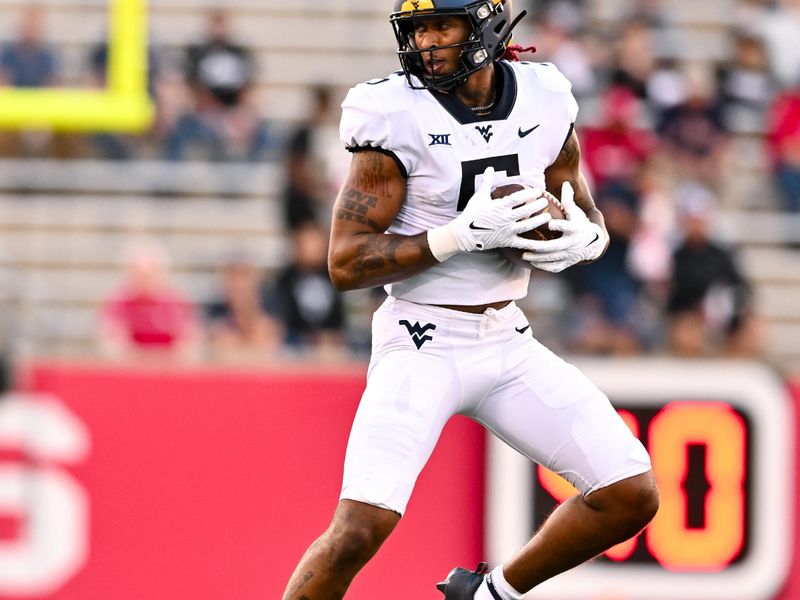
540	233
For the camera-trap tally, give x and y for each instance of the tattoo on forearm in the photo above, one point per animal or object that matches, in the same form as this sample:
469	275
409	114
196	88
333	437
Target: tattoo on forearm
382	256
362	253
377	253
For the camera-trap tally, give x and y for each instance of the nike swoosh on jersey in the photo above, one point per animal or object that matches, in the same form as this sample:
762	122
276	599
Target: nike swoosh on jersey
522	134
473	226
522	329
596	237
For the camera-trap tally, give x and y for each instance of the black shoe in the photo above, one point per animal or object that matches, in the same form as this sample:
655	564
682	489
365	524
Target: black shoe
462	584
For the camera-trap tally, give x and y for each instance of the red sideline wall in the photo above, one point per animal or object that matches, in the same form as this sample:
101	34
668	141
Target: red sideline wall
210	486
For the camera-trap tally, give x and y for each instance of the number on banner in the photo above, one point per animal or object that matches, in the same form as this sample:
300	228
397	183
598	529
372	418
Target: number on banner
670	540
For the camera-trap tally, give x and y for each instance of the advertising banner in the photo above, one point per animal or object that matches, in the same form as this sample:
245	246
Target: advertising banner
721	437
121	485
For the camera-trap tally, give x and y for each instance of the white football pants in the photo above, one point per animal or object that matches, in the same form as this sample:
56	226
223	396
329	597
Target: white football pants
429	363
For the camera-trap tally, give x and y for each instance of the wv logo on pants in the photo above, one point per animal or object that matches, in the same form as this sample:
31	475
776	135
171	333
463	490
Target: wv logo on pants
417	332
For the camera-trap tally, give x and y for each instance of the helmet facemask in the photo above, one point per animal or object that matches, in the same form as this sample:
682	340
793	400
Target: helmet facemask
486	43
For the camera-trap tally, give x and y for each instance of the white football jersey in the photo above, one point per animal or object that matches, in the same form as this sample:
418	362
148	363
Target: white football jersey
443	148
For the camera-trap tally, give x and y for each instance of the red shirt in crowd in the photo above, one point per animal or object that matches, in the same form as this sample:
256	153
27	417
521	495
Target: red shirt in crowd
616	149
152	321
613	154
783	128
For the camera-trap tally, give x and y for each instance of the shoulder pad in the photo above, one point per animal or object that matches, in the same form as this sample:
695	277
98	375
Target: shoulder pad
374	115
387	94
547	75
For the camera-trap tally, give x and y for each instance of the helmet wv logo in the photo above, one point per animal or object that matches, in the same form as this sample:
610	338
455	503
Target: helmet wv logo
417	332
411	5
486	132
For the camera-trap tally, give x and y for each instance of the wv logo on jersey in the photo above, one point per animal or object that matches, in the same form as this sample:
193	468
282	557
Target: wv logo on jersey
439	139
486	132
418	332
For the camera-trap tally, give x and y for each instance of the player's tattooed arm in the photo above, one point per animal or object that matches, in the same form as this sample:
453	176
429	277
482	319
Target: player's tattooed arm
361	254
567	167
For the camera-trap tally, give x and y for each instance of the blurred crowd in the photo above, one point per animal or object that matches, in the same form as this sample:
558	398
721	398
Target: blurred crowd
656	129
247	320
204	96
661	109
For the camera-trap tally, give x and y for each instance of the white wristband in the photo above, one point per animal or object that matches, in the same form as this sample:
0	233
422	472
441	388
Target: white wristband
442	242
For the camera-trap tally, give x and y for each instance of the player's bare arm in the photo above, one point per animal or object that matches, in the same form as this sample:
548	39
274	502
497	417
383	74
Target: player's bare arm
567	167
361	254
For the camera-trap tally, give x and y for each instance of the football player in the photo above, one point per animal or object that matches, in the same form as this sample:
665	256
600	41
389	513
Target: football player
415	214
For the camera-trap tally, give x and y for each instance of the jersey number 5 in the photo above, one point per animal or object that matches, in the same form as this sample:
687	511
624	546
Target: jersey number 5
470	169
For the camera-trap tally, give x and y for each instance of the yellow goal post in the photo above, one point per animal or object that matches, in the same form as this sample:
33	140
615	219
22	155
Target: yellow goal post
124	106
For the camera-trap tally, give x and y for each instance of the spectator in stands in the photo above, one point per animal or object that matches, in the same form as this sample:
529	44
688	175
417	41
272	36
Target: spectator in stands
559	41
746	85
643	56
649	12
777	24
607	293
314	163
147	320
239	329
30	63
783	145
650	255
693	133
666	88
643	52
304	298
634	60
615	150
710	302
224	119
8	325
6	374
572	14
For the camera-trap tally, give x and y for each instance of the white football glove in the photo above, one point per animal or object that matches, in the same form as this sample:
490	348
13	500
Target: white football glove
581	240
485	223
